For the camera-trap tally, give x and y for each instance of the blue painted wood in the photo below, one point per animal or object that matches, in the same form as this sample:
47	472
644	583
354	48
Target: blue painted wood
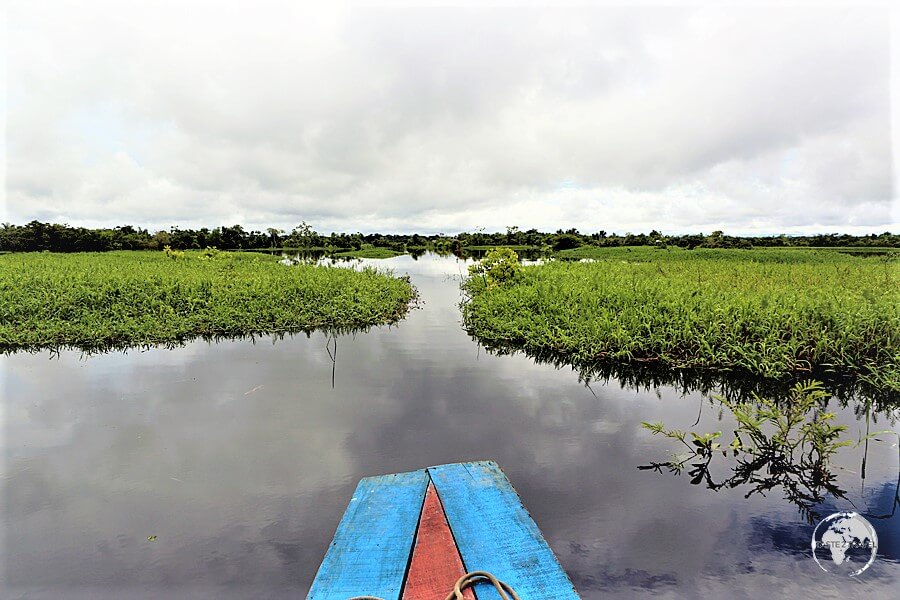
374	540
495	533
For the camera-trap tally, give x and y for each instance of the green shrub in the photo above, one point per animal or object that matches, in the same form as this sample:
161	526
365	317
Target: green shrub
498	267
211	253
173	254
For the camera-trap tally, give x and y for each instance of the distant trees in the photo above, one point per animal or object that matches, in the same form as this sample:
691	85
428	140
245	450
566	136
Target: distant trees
565	241
274	236
302	236
36	236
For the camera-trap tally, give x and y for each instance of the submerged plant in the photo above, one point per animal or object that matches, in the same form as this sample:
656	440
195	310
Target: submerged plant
787	446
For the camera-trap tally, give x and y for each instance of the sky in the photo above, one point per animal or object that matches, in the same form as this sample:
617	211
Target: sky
416	118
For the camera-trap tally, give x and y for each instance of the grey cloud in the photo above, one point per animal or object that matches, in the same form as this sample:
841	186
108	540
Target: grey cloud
442	119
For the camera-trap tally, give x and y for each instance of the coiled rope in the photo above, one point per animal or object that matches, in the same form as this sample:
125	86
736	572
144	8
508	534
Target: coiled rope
469	580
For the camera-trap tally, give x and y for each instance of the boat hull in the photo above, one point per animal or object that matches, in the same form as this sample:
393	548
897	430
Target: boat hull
409	536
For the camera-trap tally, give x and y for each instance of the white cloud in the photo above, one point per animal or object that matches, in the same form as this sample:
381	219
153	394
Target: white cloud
443	119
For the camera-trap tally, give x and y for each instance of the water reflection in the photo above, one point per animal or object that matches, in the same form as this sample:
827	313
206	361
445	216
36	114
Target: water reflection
240	457
775	448
310	257
850	391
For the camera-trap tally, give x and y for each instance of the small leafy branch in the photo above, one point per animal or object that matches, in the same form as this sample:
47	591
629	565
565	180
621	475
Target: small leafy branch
497	268
212	254
173	254
787	446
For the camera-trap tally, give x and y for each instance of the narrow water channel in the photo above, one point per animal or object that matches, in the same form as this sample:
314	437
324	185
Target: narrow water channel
220	470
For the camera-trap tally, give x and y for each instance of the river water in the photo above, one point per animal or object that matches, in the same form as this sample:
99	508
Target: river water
221	469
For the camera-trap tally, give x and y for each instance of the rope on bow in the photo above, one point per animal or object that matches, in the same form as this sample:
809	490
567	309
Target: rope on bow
466	581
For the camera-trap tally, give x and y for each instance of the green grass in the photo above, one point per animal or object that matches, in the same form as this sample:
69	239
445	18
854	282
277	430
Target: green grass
772	313
285	249
95	301
778	255
369	253
854	249
364	252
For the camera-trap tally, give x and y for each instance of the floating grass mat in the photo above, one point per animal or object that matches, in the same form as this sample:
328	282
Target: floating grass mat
318	252
771	313
95	301
368	253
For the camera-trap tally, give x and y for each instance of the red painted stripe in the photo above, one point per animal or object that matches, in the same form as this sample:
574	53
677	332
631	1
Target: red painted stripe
436	564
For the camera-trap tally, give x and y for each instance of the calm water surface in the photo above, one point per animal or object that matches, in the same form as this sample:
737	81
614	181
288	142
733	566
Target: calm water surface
240	457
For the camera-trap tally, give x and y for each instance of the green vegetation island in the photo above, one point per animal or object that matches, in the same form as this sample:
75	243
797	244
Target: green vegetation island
120	299
770	313
775	308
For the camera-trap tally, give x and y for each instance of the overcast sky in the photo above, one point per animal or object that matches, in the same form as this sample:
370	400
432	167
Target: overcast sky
363	118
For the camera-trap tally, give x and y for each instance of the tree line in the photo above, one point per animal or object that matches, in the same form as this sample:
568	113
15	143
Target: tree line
37	237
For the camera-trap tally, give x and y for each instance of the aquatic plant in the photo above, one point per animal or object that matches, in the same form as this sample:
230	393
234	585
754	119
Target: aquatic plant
785	445
368	252
776	445
770	313
96	301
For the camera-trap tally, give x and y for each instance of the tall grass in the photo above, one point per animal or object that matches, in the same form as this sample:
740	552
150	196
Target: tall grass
770	313
118	299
